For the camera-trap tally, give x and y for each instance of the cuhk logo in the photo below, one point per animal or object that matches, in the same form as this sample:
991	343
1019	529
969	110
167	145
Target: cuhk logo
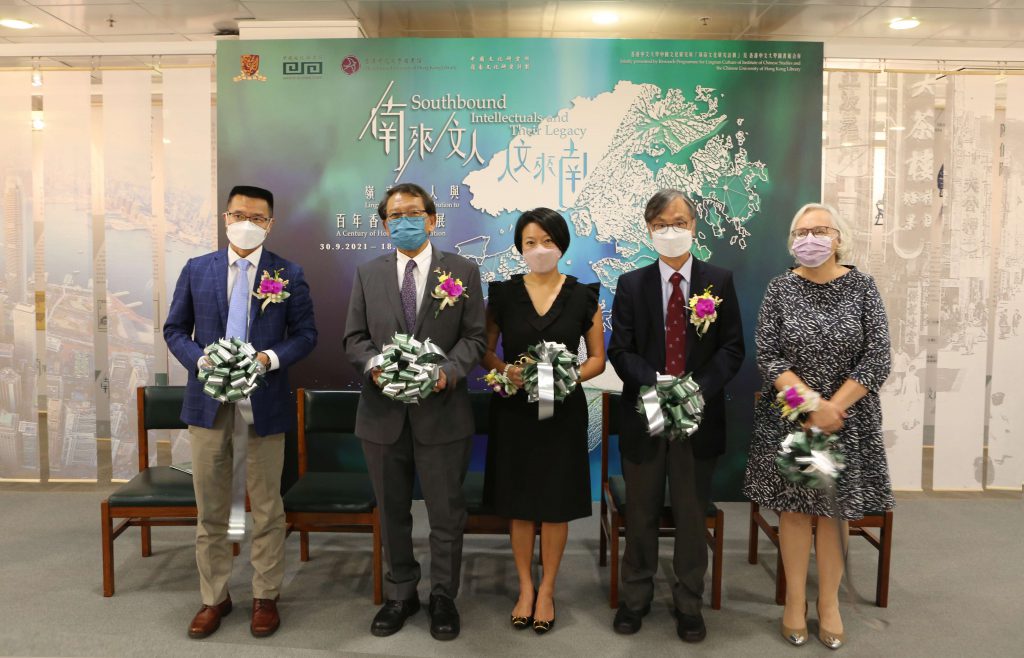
250	69
350	64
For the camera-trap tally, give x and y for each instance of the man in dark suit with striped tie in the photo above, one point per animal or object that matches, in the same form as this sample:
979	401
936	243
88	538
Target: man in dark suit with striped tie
214	299
652	334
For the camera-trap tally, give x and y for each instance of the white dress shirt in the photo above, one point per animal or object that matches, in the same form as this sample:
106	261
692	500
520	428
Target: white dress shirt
251	273
666	285
420	275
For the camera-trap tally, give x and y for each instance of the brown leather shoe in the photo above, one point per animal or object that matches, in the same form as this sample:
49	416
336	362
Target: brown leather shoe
265	619
207	620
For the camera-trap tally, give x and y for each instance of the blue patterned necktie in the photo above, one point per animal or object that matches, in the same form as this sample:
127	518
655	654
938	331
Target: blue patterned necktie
409	296
238	310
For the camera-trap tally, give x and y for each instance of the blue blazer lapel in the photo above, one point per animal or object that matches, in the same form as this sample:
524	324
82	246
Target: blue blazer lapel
267	262
427	303
656	310
220	286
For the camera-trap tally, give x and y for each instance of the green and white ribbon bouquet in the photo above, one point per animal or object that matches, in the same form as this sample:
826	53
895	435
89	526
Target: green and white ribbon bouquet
810	458
673	407
235	371
409	368
550	374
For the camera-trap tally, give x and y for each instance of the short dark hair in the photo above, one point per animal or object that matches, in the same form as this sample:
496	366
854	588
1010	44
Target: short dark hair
253	193
550	221
660	201
406	188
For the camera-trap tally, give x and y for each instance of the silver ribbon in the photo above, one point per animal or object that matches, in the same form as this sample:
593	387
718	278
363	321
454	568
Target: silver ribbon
652	406
545	391
822	462
237	521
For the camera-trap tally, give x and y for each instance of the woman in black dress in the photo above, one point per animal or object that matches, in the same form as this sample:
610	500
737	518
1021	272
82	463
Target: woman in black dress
822	326
539	470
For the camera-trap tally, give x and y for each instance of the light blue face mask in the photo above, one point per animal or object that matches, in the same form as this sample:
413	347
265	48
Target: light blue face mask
408	233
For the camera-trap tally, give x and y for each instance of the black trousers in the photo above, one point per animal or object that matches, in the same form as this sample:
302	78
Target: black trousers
689	493
441	469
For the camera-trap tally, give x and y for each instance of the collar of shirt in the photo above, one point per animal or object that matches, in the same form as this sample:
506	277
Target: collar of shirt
422	259
253	258
667	272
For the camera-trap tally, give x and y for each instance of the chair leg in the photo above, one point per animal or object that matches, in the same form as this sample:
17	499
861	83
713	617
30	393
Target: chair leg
602	536
716	564
378	569
303	546
752	534
613	574
780	580
147	538
884	555
107	533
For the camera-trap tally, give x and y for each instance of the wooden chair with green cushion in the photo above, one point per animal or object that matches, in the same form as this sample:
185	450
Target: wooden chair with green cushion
613	513
333	492
882	541
158	495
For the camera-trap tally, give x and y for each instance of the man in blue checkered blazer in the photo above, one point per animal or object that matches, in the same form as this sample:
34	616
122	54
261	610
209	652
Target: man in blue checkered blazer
207	306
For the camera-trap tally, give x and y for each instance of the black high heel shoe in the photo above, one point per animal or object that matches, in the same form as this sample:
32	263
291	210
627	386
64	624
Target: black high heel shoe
540	627
522	623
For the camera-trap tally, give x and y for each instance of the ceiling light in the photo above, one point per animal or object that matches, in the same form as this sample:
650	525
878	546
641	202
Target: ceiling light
904	23
605	17
16	24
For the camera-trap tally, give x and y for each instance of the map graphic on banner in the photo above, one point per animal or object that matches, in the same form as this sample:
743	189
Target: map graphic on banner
492	128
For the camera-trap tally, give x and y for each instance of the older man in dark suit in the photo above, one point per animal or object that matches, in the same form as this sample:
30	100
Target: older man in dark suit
652	334
432	439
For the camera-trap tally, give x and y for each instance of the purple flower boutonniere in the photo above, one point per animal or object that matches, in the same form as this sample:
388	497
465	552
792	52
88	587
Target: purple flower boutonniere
271	289
448	289
704	310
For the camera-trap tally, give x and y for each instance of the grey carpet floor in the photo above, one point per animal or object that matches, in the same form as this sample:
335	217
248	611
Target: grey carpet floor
956	590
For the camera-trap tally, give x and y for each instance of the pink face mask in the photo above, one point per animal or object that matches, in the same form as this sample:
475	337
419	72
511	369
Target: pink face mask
812	251
542	260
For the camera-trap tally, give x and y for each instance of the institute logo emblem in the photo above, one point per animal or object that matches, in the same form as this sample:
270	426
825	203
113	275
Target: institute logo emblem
350	64
250	69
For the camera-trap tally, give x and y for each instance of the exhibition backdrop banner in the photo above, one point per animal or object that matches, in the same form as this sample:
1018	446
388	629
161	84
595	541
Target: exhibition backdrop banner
494	127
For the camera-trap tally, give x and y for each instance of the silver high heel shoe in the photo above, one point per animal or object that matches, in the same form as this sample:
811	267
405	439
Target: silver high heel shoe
795	636
828	638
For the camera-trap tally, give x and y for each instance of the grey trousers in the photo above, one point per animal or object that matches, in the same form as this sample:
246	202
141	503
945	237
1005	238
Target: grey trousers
689	483
441	469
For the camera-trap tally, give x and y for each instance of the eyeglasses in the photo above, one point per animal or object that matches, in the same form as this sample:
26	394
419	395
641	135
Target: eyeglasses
258	220
408	214
816	231
662	229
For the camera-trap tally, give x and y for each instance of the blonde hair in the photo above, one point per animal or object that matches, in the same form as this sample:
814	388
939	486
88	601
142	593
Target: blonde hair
845	244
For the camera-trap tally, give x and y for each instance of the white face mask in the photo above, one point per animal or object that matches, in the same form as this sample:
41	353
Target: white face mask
542	259
246	235
674	243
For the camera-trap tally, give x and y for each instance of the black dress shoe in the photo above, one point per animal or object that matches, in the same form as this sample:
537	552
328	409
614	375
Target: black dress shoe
444	617
541	626
690	628
392	616
629	621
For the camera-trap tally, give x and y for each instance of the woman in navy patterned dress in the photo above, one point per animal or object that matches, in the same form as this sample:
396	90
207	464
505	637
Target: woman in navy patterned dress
822	325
